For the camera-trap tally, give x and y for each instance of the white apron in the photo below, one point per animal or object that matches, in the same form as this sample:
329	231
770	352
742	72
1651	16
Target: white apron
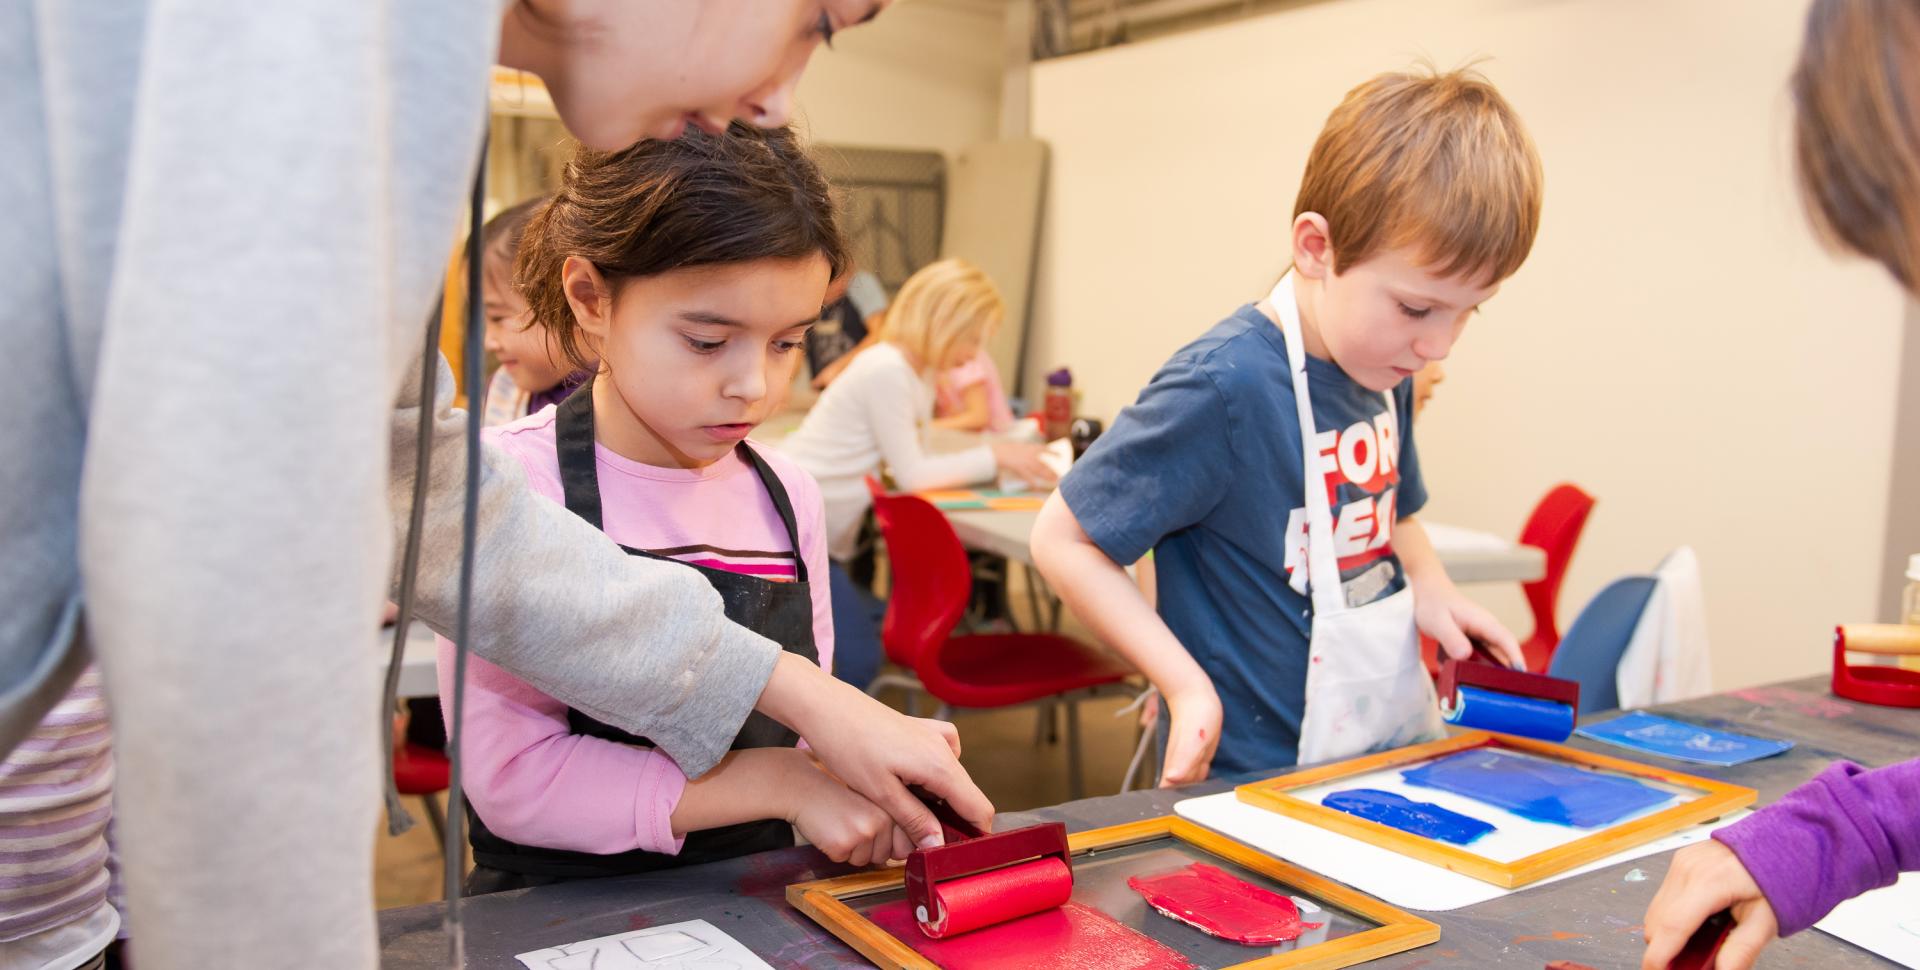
1366	687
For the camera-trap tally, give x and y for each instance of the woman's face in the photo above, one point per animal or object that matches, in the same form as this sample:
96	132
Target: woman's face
623	70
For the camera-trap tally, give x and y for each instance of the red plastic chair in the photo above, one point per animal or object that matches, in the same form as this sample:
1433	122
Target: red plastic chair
425	772
1554	528
931	584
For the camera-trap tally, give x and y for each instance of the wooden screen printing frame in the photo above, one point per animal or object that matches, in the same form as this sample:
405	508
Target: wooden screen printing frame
1398	930
1717	799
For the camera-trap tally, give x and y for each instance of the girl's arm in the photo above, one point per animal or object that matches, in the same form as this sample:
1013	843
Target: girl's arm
889	399
974	413
537	783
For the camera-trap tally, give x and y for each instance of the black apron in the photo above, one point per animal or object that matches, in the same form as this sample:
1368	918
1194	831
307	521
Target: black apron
781	612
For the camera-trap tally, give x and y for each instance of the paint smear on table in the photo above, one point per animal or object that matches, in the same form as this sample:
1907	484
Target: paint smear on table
1403	813
1221	905
1069	938
1540	790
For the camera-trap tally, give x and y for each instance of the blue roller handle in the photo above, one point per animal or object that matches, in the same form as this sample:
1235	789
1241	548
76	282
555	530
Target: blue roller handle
1528	717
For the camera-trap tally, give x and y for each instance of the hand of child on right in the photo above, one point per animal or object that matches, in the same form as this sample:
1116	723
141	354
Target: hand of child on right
839	822
1022	458
1703	880
1193	725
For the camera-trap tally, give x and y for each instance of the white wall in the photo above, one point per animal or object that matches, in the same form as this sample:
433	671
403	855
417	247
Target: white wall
1677	344
926	74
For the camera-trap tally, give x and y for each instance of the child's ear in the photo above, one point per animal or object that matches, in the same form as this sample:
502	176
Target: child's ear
1312	246
589	296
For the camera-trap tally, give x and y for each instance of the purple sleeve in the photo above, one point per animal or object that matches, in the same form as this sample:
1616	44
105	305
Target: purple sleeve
1845	832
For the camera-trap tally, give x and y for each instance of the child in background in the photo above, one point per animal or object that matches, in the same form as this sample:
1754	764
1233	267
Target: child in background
1421	194
970	397
872	414
533	373
856	304
697	324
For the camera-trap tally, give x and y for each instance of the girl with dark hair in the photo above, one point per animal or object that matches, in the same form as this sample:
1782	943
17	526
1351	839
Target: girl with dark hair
684	276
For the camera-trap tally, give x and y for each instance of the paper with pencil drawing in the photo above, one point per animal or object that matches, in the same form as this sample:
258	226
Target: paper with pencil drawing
692	945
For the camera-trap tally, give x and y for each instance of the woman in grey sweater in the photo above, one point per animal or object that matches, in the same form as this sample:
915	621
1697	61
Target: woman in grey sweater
226	223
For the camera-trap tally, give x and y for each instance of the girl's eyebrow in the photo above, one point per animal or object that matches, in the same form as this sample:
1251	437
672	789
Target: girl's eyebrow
713	319
709	317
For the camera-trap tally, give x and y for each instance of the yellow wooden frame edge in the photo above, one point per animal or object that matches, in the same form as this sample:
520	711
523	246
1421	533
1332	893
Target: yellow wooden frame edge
1274	794
822	900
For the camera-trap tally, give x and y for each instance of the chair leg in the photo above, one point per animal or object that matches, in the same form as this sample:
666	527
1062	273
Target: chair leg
1076	787
436	820
1044	726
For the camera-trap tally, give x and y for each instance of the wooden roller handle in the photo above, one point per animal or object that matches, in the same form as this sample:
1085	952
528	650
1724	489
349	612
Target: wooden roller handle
1881	638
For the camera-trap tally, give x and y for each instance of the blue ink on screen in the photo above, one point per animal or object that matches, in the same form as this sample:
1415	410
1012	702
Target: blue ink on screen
1539	790
1407	815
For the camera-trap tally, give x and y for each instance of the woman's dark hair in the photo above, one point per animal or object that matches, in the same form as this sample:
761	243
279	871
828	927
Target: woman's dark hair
699	200
1856	98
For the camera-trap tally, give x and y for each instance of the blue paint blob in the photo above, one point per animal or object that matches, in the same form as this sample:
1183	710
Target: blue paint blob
1407	815
1536	789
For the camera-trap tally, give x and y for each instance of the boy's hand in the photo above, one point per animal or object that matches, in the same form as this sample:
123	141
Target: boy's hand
1703	880
1455	621
1193	723
839	822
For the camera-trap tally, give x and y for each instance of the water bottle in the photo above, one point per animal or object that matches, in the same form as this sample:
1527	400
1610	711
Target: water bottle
1057	406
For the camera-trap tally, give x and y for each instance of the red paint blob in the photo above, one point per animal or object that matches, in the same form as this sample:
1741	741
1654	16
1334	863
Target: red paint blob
1002	894
1070	937
1214	902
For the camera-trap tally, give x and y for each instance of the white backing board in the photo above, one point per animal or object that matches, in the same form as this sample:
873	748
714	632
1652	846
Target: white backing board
1885	921
1403	881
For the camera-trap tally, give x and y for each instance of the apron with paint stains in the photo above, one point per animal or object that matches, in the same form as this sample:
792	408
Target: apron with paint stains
780	611
1366	687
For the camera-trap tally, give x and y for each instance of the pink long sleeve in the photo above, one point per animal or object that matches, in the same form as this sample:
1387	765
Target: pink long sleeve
537	783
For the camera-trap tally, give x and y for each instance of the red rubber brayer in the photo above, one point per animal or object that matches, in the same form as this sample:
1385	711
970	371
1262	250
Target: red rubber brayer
1703	947
1480	692
978	880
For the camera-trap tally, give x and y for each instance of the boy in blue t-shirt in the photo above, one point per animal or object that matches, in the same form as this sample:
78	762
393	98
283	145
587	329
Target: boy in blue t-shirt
1420	196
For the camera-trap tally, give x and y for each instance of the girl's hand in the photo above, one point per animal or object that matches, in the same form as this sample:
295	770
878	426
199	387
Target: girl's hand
1193	724
1455	622
839	822
1023	459
1703	880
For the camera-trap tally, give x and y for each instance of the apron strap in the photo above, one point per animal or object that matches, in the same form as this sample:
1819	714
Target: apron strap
1323	566
573	445
580	473
781	504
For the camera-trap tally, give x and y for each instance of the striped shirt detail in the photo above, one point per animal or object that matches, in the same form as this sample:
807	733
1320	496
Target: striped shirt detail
56	799
775	567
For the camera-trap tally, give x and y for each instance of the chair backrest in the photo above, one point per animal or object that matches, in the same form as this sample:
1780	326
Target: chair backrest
931	578
1590	653
1554	527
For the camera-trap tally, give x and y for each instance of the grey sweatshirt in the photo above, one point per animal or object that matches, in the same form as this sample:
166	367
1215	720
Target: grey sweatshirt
222	227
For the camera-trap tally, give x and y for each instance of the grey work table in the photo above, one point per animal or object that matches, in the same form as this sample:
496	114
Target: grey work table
1592	919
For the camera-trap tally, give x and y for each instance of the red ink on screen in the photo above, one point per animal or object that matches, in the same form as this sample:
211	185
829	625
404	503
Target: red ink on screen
1219	904
1068	938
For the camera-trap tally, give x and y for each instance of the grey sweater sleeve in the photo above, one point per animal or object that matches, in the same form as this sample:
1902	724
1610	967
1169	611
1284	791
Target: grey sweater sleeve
637	643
